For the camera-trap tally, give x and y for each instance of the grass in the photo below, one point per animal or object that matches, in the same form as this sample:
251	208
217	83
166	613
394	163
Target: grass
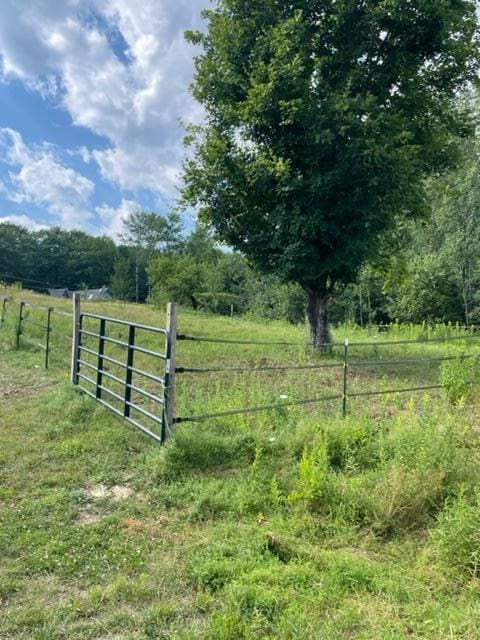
293	524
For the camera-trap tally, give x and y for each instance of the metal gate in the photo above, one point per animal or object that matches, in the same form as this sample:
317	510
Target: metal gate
115	362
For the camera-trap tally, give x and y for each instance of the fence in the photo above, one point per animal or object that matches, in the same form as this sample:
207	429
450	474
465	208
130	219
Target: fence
346	365
105	350
43	325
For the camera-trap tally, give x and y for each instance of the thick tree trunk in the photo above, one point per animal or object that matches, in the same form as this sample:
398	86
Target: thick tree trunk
317	312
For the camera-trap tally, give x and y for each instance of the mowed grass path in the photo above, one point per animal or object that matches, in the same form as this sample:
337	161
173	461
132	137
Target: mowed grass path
286	525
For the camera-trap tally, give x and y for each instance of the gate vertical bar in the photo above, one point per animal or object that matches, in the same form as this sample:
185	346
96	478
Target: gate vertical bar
101	350
75	337
19	324
128	376
168	416
49	330
345	379
4	309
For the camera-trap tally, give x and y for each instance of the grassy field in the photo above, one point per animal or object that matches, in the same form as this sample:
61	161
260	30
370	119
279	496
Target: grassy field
293	524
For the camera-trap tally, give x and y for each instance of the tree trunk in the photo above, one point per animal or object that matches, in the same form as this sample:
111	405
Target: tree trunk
317	308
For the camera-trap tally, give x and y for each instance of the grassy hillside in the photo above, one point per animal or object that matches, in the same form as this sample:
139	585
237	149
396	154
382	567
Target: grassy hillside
293	524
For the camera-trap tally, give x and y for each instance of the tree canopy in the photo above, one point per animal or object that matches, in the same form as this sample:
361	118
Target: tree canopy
322	119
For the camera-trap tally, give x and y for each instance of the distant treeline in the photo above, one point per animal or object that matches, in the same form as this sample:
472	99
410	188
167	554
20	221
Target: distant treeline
429	270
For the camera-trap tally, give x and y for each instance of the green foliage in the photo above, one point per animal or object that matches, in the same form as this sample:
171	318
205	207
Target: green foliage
456	538
151	231
122	284
312	473
390	480
322	123
178	279
200	451
270	299
458	377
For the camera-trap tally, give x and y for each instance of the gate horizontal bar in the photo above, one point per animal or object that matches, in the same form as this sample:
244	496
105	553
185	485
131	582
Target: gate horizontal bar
144	412
149	352
109	375
122	343
86	378
117	396
150	376
145	327
140	372
120	414
147	394
108	358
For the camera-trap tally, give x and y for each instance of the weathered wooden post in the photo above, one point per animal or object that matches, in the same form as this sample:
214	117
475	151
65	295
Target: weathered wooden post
168	418
75	337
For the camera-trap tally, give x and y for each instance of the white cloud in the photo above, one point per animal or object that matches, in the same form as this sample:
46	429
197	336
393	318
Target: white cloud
135	104
23	221
37	177
112	218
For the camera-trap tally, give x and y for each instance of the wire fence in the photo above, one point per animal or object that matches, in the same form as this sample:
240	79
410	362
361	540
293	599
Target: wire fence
96	370
33	325
470	335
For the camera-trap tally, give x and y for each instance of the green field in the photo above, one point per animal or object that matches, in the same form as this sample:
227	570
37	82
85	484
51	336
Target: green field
289	524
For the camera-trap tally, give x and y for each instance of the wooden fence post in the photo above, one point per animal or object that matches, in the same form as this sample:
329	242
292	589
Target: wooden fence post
170	365
75	337
19	324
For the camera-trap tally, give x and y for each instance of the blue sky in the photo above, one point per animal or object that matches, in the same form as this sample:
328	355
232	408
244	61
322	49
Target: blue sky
91	94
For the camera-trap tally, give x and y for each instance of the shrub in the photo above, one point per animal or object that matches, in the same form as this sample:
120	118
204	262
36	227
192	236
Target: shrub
312	473
390	479
404	499
456	539
457	378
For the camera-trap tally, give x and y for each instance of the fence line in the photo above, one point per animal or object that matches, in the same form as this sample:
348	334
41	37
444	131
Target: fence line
164	415
268	407
332	345
22	320
303	367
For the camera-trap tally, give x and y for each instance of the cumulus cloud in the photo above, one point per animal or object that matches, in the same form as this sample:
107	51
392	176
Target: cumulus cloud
23	220
119	67
112	218
37	177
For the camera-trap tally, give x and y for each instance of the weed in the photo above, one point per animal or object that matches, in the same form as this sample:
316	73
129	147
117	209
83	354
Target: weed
456	538
458	377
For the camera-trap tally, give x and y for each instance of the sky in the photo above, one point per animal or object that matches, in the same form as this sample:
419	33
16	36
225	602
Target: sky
92	95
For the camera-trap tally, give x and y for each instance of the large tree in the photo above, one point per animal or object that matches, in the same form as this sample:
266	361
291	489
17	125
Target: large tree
322	119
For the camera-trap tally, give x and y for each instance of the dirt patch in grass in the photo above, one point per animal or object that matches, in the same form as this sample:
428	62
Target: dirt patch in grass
92	512
87	515
116	493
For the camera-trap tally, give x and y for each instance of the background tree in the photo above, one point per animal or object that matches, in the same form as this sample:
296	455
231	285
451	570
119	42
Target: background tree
122	284
179	278
323	117
149	233
16	252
